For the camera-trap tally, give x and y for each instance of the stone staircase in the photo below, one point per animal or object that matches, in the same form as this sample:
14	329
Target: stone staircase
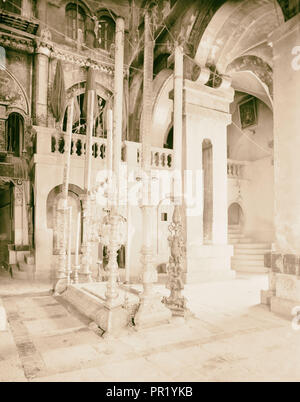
24	269
248	255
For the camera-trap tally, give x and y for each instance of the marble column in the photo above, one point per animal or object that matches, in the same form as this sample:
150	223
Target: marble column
86	247
40	85
206	117
151	310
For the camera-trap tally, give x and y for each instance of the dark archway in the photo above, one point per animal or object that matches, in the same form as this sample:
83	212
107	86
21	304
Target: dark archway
15	134
235	214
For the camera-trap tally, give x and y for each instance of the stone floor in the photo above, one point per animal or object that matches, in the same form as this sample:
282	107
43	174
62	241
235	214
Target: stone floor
230	338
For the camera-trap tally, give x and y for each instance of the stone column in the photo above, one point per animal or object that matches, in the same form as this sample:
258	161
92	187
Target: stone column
285	284
86	247
206	117
40	89
151	310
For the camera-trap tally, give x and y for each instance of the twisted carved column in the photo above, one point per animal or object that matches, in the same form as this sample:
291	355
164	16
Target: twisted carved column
176	302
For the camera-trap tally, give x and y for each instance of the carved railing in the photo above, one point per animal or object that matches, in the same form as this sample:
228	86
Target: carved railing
53	142
78	145
161	158
236	169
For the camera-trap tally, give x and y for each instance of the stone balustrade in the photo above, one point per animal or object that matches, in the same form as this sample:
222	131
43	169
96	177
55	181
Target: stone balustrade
235	169
78	145
53	142
161	158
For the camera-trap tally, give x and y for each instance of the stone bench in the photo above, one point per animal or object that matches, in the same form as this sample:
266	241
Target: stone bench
3	320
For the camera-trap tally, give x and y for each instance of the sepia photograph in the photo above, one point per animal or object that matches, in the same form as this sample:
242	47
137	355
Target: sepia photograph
149	194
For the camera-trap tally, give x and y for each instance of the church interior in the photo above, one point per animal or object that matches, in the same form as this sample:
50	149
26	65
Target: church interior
149	205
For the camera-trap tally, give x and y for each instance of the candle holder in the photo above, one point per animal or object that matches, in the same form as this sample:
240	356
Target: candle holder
175	301
61	276
86	260
113	235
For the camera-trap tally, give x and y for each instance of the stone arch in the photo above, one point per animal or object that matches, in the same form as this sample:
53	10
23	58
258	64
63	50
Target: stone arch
73	188
235	214
246	68
225	30
13	92
79	89
15	134
82	3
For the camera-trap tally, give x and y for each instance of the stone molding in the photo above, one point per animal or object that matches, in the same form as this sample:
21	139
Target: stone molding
16	43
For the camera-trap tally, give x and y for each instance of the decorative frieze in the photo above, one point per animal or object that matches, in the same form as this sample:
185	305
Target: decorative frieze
16	43
82	60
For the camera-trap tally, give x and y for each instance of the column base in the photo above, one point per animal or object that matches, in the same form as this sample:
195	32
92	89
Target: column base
60	286
112	319
151	312
85	278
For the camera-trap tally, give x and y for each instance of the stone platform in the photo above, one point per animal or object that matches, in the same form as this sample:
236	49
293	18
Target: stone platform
89	299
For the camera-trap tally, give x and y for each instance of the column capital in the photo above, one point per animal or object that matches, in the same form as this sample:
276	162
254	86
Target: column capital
43	48
44	43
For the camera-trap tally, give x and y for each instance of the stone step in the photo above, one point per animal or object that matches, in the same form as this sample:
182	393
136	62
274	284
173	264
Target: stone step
249	251
26	267
235	226
259	269
249	257
258	246
236	235
17	273
23	271
244	240
245	262
233	231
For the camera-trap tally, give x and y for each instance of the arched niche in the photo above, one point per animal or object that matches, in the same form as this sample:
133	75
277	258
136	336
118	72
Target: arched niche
235	214
54	201
15	141
12	94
